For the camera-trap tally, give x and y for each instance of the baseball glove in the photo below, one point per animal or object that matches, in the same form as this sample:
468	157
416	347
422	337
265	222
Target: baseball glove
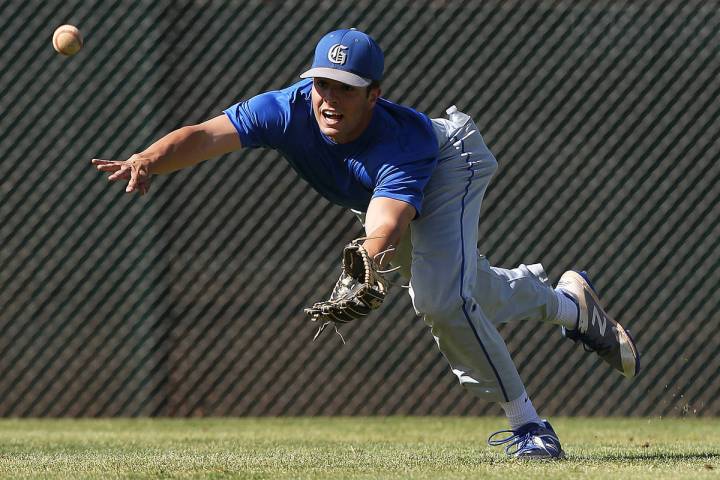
360	289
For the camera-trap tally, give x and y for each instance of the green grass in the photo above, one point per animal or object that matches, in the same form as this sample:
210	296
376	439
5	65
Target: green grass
350	448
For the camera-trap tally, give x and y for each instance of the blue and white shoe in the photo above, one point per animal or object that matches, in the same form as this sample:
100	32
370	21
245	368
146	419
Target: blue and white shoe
596	330
532	441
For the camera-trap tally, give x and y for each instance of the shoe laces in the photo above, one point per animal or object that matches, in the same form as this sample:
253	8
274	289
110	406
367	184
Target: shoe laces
515	440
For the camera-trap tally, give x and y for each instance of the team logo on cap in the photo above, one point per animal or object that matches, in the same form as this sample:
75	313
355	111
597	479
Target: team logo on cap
338	54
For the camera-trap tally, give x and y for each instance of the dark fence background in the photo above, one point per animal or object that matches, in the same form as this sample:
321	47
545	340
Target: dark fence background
603	115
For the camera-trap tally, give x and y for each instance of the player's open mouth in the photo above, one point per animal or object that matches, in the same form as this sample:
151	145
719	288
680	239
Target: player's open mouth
331	117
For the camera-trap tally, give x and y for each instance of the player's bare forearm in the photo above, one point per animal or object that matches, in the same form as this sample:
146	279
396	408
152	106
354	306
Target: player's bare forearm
184	147
382	239
191	145
386	222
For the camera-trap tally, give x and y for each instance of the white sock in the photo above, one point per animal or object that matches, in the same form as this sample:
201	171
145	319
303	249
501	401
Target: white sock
567	314
520	411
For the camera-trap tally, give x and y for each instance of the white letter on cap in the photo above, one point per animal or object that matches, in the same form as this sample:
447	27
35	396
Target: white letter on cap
338	54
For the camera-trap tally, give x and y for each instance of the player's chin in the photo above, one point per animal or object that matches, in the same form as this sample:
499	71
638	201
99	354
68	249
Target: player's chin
333	130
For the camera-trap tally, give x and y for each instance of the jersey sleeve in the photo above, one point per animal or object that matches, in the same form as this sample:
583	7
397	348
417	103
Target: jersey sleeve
262	120
405	181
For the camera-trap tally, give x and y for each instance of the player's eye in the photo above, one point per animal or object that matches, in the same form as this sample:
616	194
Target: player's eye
320	83
347	88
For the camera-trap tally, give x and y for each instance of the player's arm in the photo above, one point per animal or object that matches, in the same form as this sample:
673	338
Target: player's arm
182	148
386	221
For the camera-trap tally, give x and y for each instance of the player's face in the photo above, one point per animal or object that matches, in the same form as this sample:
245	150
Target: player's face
342	111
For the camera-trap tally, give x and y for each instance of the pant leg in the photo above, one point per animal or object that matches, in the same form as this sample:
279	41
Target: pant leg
444	271
522	293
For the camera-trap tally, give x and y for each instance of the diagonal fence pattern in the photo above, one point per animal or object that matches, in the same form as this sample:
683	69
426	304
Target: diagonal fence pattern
603	116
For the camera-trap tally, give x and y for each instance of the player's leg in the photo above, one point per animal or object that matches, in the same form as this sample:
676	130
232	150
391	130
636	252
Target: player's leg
505	295
444	275
524	293
444	240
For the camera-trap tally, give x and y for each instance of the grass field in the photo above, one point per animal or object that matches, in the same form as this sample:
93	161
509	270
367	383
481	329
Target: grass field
350	448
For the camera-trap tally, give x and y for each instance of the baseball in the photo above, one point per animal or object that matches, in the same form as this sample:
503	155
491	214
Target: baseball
67	40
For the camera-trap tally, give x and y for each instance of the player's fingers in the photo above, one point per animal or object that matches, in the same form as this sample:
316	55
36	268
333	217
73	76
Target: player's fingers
119	175
122	174
133	182
108	168
101	162
107	165
137	177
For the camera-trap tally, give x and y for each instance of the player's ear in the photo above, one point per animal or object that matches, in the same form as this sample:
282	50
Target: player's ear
374	93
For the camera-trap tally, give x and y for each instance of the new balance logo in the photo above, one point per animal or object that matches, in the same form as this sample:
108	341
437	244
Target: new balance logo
338	54
600	319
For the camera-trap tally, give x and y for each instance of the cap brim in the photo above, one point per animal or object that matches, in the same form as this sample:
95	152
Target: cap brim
339	75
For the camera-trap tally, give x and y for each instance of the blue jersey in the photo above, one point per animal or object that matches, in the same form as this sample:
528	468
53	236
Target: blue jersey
394	157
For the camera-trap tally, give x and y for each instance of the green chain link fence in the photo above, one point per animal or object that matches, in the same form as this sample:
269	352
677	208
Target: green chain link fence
602	114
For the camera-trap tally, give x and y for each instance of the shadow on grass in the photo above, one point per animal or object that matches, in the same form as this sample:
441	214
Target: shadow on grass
641	457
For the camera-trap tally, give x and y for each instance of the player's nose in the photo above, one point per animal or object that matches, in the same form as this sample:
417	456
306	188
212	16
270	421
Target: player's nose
331	101
331	94
329	97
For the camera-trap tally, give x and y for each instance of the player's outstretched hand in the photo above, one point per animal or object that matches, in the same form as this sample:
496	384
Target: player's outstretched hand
135	170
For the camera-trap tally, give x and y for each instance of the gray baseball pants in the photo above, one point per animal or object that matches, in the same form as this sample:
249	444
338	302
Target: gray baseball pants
453	287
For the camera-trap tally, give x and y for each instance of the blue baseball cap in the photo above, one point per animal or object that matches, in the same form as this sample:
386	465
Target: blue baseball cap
348	56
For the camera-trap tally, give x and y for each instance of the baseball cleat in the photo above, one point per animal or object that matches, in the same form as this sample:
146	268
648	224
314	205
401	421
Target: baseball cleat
596	330
532	441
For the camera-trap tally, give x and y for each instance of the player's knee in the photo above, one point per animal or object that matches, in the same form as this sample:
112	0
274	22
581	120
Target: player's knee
487	389
434	306
489	393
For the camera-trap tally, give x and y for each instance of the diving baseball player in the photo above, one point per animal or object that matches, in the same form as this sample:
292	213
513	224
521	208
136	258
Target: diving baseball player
417	184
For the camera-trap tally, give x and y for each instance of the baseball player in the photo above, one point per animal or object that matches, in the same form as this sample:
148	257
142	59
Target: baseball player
417	184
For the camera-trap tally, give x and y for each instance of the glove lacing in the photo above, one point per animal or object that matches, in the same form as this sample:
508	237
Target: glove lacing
346	281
